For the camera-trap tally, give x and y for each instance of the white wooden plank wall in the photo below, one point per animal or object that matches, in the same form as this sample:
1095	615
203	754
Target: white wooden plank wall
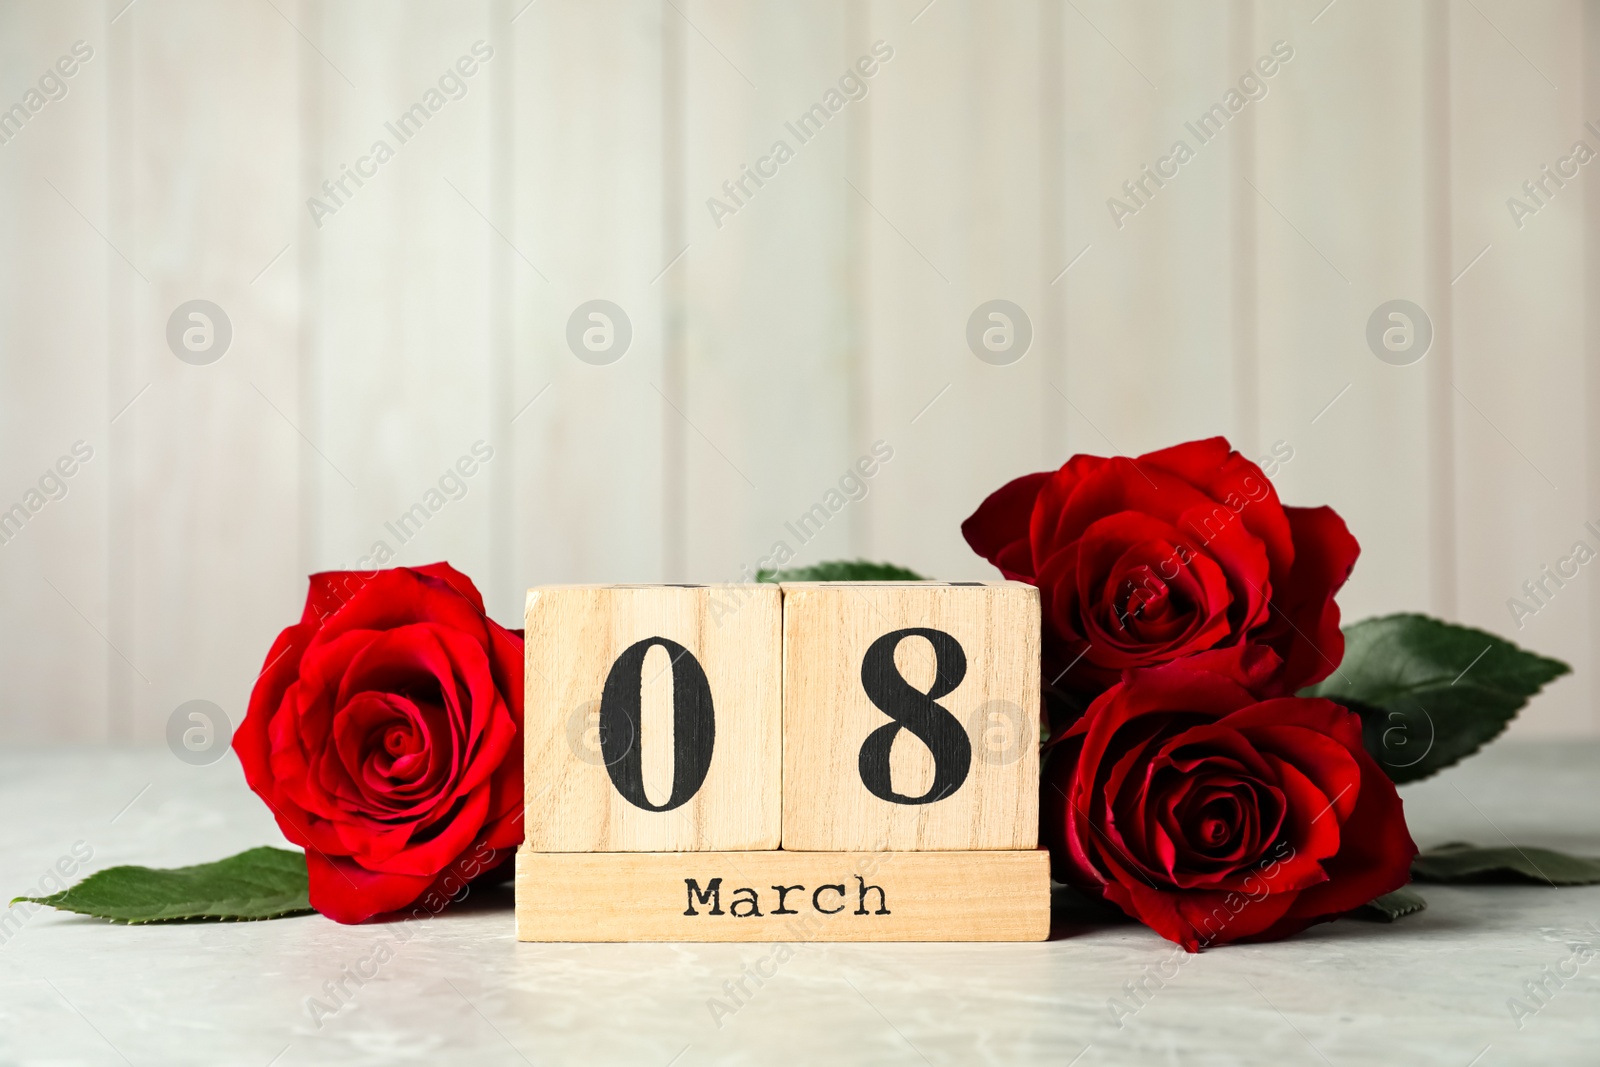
774	344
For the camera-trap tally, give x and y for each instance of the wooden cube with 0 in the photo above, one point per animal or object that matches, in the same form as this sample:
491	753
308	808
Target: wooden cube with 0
911	716
653	718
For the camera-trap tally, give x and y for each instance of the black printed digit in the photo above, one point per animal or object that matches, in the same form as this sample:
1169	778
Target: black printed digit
916	711
694	726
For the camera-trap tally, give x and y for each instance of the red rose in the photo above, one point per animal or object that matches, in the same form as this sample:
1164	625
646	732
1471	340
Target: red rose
386	735
1211	816
1142	561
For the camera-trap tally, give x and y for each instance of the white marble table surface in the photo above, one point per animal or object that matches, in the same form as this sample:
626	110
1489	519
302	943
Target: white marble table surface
1431	989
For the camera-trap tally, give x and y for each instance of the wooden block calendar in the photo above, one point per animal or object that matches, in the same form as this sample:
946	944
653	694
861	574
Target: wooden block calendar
652	719
891	694
836	761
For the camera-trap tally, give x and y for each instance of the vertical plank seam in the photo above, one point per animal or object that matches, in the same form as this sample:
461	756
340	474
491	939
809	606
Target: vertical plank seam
1590	56
1243	258
502	329
1438	245
120	725
1052	339
310	263
857	280
674	481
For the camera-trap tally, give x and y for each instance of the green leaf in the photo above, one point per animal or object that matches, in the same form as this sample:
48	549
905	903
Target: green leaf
1461	862
1391	906
262	883
1430	693
841	570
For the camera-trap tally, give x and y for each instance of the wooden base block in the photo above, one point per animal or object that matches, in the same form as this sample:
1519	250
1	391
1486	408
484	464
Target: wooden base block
783	896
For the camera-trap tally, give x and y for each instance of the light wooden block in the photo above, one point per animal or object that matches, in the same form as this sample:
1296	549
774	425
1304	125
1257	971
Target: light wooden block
596	715
957	764
823	896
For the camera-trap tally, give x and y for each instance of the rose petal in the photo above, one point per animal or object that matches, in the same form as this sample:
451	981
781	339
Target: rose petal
998	530
1375	857
1304	625
1213	466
